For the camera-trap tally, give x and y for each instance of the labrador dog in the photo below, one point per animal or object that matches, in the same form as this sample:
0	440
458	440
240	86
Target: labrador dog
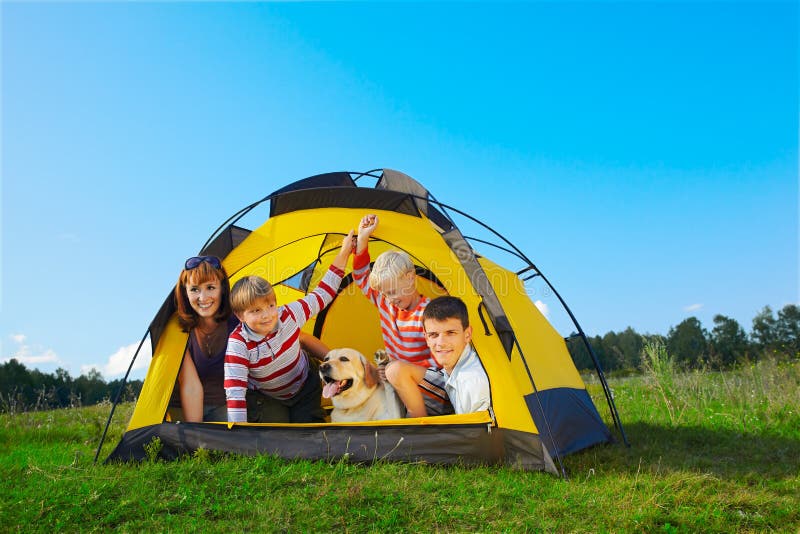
356	391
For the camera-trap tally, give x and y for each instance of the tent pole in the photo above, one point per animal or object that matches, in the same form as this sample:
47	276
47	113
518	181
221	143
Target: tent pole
556	446
232	220
606	389
118	395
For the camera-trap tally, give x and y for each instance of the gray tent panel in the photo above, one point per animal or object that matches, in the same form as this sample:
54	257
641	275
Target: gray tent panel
474	444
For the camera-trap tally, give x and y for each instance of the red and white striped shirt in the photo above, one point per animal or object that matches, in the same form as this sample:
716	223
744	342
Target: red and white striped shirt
402	330
274	364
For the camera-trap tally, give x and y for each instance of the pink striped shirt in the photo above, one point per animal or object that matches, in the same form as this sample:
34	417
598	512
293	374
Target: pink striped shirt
274	364
402	330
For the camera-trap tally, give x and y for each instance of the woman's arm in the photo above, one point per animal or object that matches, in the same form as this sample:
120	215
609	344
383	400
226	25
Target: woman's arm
191	390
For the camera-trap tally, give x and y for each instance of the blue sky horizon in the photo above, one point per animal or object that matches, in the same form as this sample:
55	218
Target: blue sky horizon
644	155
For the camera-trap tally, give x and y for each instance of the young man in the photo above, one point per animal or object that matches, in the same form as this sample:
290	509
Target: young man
448	334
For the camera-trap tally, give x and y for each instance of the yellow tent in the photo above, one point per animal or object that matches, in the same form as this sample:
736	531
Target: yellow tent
540	407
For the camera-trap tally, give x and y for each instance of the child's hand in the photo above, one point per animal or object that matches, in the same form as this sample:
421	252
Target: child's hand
365	229
348	244
367	226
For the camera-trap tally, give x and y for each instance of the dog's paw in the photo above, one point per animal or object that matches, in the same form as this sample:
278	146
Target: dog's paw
381	358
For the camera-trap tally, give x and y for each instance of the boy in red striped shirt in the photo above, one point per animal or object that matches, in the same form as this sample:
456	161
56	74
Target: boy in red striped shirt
391	286
264	355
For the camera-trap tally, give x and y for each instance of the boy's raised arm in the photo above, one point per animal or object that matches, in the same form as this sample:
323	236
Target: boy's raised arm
365	229
340	261
361	268
322	295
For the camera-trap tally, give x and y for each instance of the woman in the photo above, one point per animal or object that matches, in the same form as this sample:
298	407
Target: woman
202	295
204	311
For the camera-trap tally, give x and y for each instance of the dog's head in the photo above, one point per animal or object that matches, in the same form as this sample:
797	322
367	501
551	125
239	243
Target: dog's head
348	379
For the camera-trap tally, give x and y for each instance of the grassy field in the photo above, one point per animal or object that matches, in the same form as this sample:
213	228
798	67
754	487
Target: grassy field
711	452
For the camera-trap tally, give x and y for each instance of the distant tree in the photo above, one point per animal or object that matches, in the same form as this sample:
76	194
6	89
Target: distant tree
764	334
580	355
30	389
728	342
129	393
14	375
63	386
583	360
630	343
16	386
621	350
652	338
604	356
90	388
787	329
688	342
613	350
612	354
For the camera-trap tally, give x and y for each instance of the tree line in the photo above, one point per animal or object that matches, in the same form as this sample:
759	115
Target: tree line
693	347
23	389
689	343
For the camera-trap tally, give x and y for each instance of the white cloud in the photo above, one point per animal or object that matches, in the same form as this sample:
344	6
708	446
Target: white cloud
25	354
692	307
18	338
48	356
118	362
544	308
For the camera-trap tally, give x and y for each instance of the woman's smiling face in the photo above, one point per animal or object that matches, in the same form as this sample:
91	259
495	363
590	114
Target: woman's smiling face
204	297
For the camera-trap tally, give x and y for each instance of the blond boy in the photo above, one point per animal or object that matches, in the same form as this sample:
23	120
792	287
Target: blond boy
391	285
264	356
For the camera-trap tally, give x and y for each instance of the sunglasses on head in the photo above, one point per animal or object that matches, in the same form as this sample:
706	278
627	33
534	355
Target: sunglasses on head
213	261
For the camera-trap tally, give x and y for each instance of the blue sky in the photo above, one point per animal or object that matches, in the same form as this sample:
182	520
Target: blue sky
643	155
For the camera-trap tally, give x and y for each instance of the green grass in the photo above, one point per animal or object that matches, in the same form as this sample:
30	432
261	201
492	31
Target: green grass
711	452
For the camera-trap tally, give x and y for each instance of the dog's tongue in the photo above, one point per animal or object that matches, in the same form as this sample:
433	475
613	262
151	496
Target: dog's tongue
331	389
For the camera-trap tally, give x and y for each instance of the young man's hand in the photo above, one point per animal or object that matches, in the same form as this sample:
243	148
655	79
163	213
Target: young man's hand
365	229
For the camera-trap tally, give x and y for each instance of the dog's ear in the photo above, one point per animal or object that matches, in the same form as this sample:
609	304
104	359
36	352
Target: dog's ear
371	377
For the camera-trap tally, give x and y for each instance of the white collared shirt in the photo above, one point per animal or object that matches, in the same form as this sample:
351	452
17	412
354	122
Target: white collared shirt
468	385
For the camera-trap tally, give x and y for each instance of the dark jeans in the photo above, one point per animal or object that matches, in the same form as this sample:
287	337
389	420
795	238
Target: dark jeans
304	407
